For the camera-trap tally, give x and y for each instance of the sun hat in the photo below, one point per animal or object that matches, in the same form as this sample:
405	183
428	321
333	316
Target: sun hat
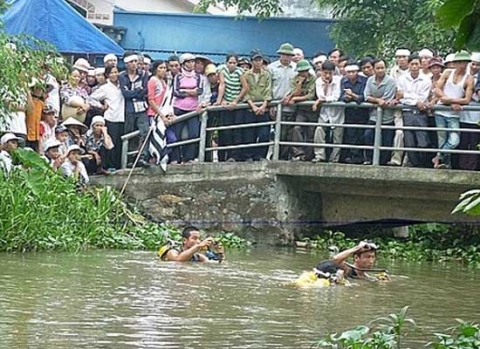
449	58
425	53
48	109
303	65
436	61
286	49
97	119
244	60
254	54
82	65
475	56
210	69
60	129
186	57
72	148
74	122
462	56
99	71
206	61
7	137
51	143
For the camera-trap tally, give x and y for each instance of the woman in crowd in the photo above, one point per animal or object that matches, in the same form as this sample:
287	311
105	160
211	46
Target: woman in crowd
157	98
187	87
232	88
114	115
75	98
98	142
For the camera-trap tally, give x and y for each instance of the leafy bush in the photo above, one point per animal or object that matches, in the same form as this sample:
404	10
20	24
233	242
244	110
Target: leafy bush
426	242
465	335
41	210
388	334
230	240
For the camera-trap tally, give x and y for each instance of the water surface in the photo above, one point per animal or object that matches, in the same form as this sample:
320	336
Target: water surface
121	299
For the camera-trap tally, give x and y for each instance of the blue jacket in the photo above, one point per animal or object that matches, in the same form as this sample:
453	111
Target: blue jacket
135	92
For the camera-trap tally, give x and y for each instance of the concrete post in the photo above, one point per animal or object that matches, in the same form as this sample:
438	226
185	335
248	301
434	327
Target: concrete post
203	136
278	133
378	137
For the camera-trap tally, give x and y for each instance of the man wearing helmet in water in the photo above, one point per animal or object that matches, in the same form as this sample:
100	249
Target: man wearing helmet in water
364	255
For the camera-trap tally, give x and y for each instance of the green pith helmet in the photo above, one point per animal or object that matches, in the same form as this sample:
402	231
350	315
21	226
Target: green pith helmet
303	65
286	49
462	56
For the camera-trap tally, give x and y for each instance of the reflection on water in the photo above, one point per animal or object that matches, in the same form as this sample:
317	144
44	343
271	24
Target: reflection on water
123	299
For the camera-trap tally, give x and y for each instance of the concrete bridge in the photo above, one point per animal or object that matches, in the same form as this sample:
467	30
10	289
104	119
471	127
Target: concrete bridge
294	199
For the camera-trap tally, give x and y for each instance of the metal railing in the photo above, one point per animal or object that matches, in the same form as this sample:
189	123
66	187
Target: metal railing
278	123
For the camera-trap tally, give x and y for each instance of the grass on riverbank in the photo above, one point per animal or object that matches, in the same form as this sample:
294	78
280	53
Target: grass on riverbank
40	210
426	242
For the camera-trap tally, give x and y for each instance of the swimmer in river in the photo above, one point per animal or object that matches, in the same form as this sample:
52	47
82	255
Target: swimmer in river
193	249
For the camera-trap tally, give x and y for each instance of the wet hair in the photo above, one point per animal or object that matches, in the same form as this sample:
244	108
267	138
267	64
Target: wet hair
327	65
364	250
173	58
378	60
108	70
230	55
413	57
336	49
188	231
156	64
365	61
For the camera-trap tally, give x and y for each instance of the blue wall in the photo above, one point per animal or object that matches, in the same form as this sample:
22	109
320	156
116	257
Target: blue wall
161	34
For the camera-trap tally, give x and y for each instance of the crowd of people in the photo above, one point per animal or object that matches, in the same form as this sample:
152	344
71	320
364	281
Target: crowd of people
76	125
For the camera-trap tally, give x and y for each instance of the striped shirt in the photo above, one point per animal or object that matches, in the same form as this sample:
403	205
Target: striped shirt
233	85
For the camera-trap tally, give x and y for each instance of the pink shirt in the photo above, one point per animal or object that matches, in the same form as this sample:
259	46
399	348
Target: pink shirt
188	81
156	93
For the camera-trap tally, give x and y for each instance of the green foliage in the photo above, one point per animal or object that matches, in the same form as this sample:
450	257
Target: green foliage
469	203
230	240
463	16
426	242
263	8
41	210
22	60
388	334
378	27
465	335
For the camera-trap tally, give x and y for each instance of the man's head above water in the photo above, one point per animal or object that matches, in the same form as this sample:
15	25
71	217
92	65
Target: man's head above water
191	237
364	257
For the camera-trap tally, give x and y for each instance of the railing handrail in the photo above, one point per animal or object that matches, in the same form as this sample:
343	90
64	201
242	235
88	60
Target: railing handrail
277	142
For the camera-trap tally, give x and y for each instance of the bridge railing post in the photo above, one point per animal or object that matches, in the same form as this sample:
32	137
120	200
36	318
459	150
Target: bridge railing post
377	143
203	136
278	133
124	153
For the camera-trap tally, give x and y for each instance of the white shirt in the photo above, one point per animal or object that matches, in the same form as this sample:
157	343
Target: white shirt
54	95
331	93
6	162
112	94
14	122
396	72
68	170
414	90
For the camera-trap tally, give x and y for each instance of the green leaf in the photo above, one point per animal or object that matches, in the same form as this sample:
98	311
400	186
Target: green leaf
452	12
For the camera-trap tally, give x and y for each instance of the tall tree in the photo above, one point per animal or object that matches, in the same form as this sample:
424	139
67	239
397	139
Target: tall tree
22	60
370	26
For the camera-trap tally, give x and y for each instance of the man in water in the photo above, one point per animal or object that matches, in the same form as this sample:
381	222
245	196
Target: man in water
191	249
364	255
